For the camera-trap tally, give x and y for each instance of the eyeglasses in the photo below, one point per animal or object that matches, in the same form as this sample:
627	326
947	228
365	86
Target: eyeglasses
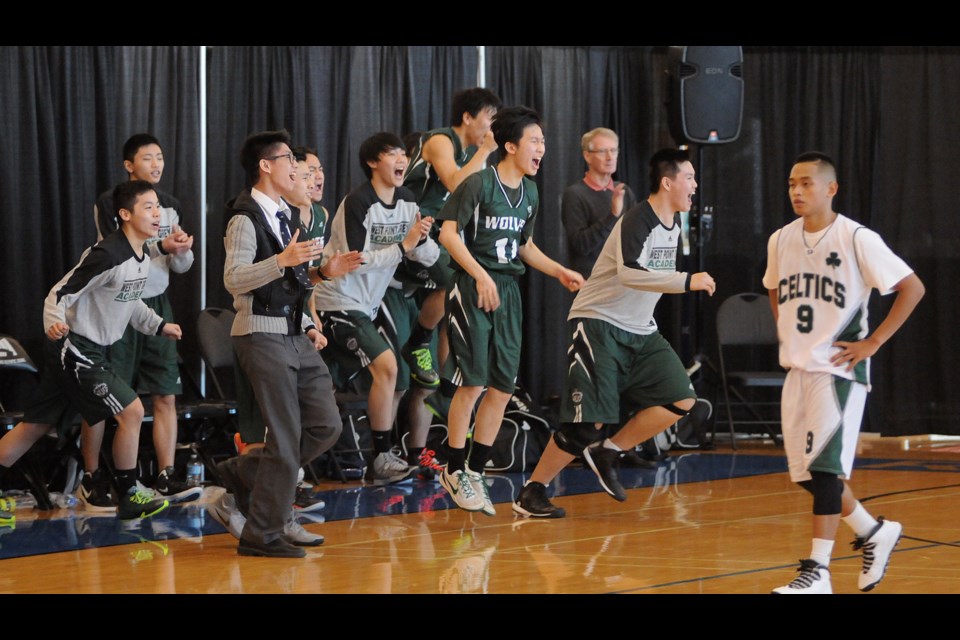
605	152
288	155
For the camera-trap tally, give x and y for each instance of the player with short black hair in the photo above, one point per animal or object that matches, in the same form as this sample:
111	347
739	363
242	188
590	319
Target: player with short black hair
617	357
85	313
821	269
488	229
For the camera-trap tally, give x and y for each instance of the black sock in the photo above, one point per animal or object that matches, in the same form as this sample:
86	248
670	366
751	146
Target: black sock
125	479
381	441
456	459
413	454
420	335
479	455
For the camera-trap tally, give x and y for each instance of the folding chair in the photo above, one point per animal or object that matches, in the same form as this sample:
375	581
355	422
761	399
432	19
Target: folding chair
750	378
217	409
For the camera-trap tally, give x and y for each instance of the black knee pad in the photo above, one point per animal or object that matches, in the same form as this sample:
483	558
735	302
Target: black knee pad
827	489
574	437
672	408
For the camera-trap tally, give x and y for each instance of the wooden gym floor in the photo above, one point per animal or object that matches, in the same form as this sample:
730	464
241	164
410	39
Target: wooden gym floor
703	522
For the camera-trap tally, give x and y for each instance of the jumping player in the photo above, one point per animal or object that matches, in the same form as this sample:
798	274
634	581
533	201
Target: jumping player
488	230
440	162
616	353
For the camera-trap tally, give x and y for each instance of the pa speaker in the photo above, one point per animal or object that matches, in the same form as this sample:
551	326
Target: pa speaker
705	95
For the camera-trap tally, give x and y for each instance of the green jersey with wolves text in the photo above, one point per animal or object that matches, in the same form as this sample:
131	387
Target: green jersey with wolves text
493	219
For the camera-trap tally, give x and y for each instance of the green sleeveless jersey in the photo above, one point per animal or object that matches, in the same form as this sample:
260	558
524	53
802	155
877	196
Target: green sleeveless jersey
423	180
493	219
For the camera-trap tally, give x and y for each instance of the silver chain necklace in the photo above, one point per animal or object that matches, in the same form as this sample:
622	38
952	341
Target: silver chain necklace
817	243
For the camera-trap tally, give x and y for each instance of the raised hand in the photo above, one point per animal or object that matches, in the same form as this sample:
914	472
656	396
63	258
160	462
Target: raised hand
341	263
299	252
616	205
489	144
418	231
178	241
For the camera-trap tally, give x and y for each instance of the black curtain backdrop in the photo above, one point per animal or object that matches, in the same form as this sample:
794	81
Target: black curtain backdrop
884	113
66	114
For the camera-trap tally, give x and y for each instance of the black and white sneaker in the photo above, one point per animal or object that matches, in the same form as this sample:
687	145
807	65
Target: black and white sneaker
307	500
94	492
814	578
173	490
606	464
534	503
877	547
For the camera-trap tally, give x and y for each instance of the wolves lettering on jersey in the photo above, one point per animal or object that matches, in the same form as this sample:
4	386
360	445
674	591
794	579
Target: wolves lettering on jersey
494	221
811	285
388	233
131	290
504	223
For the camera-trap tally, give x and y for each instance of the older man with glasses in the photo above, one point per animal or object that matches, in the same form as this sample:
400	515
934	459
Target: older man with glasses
592	206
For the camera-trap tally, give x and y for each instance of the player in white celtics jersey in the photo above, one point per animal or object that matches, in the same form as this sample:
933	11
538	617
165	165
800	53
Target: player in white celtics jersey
487	226
821	269
617	357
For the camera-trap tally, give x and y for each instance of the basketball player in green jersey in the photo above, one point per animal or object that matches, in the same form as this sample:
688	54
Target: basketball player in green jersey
487	226
441	161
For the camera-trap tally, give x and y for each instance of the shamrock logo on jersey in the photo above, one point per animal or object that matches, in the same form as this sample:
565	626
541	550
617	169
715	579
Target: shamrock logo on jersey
833	260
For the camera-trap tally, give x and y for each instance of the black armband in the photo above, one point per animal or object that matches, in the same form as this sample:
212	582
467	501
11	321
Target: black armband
403	252
163	323
686	285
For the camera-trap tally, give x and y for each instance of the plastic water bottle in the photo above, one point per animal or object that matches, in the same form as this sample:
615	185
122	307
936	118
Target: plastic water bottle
194	471
64	500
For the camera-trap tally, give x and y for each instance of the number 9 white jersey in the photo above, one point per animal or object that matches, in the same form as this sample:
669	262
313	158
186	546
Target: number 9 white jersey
823	287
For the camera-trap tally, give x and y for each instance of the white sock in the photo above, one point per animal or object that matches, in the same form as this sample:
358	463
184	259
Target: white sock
820	551
860	521
608	443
